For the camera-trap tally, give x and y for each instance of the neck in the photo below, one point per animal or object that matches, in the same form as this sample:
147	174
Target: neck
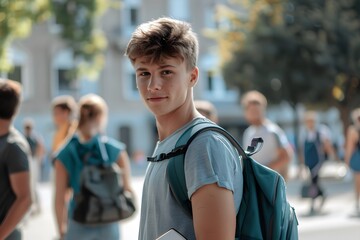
169	123
64	125
4	126
259	122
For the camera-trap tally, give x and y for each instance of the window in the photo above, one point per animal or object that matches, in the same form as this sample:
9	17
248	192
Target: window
16	74
129	87
63	81
214	86
125	137
130	17
20	70
210	80
133	82
134	16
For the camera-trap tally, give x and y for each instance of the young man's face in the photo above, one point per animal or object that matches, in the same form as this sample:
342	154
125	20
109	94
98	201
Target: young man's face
165	86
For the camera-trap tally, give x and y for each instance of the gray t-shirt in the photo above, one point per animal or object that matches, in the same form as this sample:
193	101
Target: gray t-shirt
14	153
274	138
209	159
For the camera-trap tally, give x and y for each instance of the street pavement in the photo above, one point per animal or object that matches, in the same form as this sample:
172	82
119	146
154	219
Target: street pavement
336	220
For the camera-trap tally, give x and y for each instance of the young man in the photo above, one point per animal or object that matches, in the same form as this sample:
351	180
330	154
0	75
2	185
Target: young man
164	55
276	152
15	194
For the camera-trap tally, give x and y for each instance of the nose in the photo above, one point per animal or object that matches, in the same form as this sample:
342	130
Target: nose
155	83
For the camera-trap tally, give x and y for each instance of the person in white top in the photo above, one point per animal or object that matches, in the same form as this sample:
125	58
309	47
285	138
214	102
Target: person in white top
276	152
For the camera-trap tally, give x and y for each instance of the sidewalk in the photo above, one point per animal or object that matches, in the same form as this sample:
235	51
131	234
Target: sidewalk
336	221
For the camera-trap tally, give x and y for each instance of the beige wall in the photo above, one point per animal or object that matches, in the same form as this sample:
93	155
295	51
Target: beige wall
42	45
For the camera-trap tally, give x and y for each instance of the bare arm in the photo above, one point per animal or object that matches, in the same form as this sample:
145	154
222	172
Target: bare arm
40	150
124	164
284	157
329	149
213	213
61	179
351	140
20	184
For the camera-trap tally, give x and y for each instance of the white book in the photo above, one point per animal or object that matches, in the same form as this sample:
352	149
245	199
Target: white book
172	234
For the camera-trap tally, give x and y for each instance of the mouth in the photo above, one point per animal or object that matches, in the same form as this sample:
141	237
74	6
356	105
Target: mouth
155	99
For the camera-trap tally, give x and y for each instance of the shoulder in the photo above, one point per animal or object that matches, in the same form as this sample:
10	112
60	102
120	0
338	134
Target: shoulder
66	149
17	152
352	133
211	141
112	143
277	133
17	142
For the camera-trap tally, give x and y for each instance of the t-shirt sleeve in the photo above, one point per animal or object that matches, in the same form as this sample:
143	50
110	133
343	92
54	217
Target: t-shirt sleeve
281	138
17	159
210	159
64	156
114	148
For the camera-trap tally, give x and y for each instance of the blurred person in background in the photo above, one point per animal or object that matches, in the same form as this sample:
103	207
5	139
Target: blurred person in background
15	188
64	109
276	152
352	153
207	109
315	145
37	156
68	166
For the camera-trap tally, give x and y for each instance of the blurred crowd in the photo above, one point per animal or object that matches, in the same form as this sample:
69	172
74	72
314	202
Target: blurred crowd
79	124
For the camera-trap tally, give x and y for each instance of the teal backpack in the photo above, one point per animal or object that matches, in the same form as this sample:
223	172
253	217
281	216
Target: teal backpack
264	211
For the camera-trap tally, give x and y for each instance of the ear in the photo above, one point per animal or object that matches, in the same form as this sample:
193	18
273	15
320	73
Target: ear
194	75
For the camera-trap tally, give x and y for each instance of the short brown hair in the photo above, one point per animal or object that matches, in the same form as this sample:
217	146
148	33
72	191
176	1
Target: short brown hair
164	37
10	95
92	106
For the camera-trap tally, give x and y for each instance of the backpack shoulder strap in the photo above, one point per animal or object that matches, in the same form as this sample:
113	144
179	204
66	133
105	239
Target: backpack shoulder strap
175	170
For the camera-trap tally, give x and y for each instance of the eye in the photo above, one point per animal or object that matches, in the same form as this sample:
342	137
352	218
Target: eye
143	74
166	72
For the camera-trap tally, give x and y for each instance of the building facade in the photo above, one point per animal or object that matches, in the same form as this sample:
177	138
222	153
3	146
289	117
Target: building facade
42	60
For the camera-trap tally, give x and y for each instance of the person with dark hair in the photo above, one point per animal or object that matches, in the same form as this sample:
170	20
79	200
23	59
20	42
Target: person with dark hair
15	189
89	138
164	55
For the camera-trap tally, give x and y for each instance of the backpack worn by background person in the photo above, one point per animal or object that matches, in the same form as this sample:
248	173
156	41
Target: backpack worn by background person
101	198
264	211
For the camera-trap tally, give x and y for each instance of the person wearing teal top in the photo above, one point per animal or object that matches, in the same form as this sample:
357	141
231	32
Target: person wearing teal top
69	163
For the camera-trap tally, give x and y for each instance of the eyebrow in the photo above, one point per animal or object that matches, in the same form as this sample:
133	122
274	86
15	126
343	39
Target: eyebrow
160	67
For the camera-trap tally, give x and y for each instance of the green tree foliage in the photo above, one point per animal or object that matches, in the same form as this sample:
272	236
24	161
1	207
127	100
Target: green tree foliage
78	20
16	20
295	50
